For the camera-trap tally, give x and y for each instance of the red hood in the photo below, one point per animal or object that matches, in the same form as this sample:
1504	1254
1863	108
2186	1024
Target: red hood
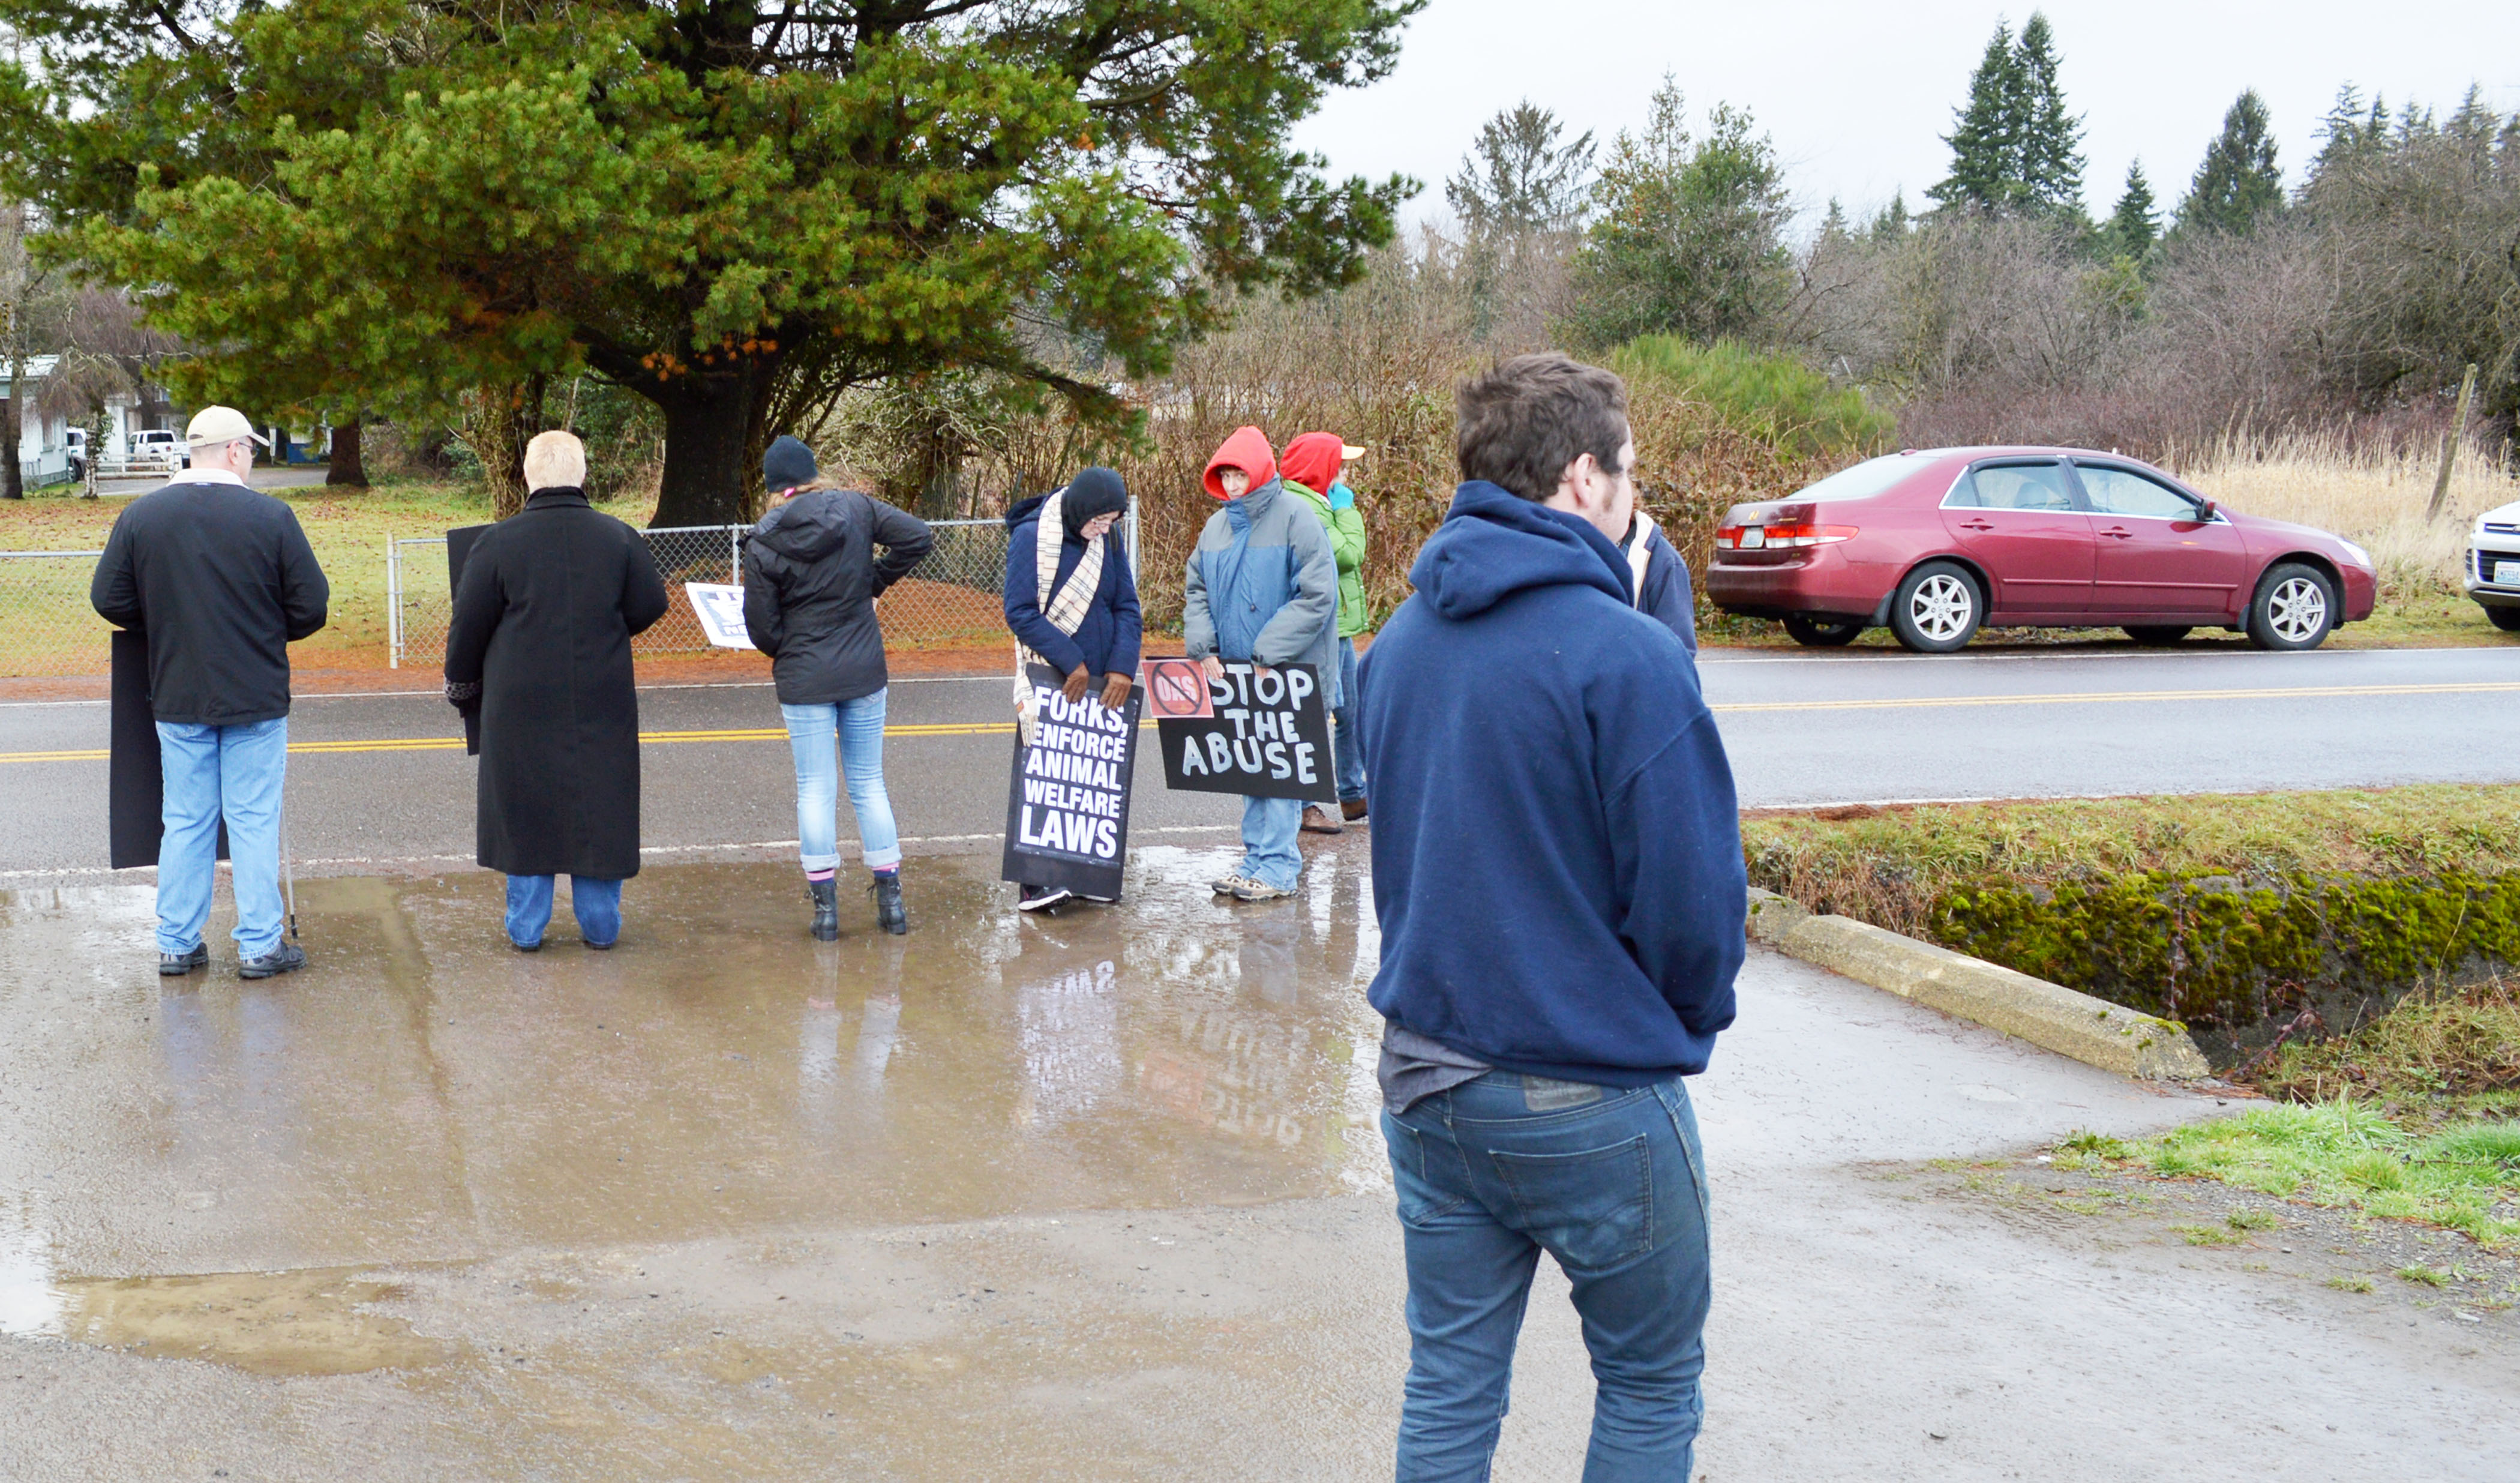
1247	450
1313	460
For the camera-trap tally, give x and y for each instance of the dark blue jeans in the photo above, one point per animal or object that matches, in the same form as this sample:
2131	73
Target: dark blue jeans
1347	746
1608	1182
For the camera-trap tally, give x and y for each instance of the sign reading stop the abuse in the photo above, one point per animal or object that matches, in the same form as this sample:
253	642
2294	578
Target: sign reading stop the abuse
1260	733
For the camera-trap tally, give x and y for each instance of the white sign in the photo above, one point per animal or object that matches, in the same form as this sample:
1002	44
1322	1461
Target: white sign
721	614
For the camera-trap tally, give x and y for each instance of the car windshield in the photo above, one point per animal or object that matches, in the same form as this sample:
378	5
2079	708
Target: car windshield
1865	480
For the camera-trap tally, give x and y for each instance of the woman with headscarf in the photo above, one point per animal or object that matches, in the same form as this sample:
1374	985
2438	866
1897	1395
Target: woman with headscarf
1071	603
540	649
811	575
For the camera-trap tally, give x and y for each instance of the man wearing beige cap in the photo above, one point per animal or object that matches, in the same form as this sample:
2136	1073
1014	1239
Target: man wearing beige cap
221	580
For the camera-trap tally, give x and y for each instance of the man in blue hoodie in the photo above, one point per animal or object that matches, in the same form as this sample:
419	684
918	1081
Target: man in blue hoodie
1557	869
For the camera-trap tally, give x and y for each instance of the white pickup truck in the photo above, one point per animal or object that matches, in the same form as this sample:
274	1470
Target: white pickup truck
159	448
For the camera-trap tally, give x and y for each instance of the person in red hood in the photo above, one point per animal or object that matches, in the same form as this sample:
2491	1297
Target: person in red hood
1311	470
1262	590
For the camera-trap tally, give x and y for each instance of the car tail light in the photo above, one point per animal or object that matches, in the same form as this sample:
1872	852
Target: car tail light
1809	535
1727	537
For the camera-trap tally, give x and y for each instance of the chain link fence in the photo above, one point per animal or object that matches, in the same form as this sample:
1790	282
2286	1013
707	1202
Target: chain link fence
46	625
951	601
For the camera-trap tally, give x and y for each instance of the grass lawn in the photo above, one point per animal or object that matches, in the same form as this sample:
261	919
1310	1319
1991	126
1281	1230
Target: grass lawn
2462	1176
47	628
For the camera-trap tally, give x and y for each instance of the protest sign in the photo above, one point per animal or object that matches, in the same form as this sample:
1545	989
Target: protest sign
720	609
1068	795
1268	737
1175	688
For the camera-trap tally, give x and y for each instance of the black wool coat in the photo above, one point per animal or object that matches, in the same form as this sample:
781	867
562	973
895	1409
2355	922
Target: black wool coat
550	596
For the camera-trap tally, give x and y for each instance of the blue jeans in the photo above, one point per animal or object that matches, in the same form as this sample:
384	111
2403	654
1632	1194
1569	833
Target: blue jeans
859	724
210	771
1347	744
1269	853
1608	1182
597	904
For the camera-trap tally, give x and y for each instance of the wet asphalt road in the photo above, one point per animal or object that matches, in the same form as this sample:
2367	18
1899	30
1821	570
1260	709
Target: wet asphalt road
1094	1197
1802	729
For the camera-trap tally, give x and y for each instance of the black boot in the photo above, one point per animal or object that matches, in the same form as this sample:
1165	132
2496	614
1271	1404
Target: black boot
889	912
827	909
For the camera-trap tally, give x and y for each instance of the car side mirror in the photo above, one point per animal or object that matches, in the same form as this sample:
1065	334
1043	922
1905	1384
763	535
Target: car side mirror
2206	510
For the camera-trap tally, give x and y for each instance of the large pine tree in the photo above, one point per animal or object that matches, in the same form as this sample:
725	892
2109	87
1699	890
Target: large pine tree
2015	149
2239	181
1518	178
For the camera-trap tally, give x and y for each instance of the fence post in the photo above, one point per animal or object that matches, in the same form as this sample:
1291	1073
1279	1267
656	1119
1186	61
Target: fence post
1133	540
393	604
735	554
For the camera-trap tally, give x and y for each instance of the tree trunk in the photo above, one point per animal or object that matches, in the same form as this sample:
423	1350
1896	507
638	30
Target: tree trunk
349	469
500	421
708	425
14	486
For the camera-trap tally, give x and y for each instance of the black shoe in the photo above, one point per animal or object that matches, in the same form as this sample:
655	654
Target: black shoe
826	896
1041	898
177	964
525	946
890	914
288	958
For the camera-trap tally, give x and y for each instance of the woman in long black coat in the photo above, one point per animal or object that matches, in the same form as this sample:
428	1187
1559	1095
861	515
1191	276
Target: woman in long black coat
541	644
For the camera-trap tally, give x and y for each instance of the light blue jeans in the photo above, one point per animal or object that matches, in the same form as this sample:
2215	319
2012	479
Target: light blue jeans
597	904
1611	1183
1269	829
1347	739
859	728
213	771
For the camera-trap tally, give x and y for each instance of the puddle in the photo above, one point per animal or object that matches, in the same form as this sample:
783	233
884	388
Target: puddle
272	1324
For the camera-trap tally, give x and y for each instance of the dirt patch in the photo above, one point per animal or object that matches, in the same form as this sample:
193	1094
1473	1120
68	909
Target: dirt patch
2317	1254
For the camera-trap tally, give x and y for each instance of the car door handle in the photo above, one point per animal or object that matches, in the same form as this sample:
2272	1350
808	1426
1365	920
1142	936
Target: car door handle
1977	524
2119	533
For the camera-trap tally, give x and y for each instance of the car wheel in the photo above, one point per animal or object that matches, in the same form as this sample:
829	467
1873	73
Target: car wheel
1819	633
1937	608
2294	609
2157	633
2505	618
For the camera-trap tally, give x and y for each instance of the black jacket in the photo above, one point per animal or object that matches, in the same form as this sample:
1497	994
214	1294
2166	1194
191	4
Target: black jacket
811	576
222	580
550	596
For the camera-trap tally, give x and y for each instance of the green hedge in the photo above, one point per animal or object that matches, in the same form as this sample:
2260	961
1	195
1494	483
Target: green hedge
2230	952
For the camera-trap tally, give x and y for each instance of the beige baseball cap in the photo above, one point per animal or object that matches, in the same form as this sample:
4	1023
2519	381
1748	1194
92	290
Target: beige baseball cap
214	426
1349	453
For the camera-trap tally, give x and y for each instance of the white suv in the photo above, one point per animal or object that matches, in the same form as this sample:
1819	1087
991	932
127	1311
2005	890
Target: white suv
2493	573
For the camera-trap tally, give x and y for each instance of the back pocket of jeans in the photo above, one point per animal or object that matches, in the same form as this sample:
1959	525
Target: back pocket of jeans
1591	1209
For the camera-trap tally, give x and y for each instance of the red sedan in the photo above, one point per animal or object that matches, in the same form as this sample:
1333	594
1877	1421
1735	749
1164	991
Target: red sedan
1939	543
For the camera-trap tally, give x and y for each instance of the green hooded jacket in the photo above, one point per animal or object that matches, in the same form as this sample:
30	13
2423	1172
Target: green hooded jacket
1347	546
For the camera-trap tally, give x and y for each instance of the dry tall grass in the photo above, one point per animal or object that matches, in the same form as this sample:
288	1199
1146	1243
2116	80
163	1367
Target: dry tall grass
2375	495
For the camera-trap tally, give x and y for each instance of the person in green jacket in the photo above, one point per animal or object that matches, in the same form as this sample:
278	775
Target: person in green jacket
1311	469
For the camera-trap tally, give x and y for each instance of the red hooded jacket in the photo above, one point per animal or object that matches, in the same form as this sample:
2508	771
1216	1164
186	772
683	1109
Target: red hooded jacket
1247	450
1313	460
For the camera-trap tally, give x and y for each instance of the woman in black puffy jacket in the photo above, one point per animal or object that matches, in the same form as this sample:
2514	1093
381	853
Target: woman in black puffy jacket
811	575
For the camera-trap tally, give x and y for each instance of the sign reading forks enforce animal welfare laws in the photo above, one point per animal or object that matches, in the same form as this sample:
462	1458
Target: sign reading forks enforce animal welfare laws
1068	799
1268	737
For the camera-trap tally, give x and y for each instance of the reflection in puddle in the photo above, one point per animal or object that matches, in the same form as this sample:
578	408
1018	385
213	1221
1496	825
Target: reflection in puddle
274	1323
29	1303
1068	1031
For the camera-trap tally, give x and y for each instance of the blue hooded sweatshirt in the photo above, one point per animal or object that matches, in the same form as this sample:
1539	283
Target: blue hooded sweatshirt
1556	850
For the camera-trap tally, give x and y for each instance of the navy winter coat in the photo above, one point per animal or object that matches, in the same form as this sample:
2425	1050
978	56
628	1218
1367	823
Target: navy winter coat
1556	855
1106	642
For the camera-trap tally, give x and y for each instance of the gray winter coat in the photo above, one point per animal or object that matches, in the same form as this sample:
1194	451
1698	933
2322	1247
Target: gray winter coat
1275	601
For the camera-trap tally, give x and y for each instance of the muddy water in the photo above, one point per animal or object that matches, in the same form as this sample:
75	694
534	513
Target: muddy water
249	1172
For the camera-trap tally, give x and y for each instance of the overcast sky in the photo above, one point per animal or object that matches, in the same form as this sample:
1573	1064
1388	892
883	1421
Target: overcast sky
1858	95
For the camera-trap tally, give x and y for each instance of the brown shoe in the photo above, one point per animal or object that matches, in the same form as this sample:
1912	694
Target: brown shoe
1317	821
1353	808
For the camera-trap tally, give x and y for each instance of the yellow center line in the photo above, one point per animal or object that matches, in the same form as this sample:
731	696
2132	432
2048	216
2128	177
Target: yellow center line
1005	728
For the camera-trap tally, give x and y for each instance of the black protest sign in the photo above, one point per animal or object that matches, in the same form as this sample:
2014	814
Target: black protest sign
1268	738
1067	797
135	785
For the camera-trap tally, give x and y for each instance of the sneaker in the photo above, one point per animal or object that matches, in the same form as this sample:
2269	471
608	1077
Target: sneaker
288	958
1259	890
1318	821
1353	809
177	964
1227	886
1041	898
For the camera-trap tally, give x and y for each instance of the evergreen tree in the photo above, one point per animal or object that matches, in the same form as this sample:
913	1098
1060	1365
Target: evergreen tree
1518	178
2051	155
2015	150
2350	130
2240	180
1688	236
1832	226
1890	223
2135	226
1986	134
